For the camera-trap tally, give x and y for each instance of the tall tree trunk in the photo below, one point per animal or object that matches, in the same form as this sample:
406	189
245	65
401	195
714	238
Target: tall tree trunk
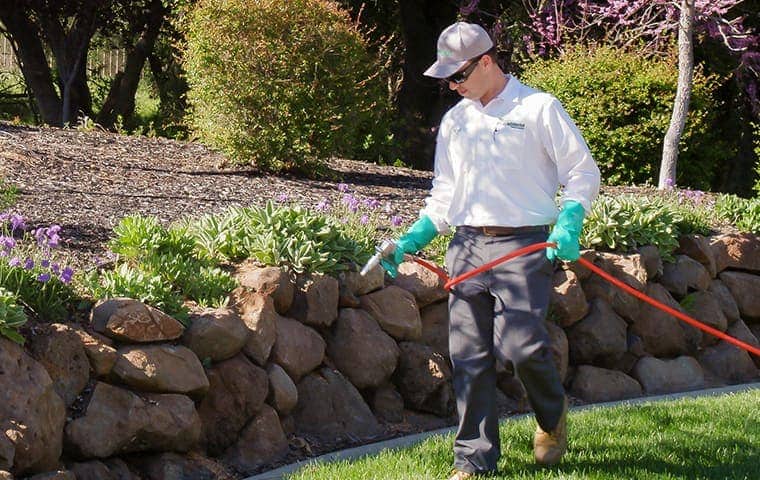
683	93
30	55
121	97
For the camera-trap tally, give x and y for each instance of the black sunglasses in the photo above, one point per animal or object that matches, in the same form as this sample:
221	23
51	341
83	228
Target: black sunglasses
462	76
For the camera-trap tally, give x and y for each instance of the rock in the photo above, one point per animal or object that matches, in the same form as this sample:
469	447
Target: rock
356	285
601	332
298	348
59	349
736	250
704	307
744	288
650	256
92	470
7	450
261	442
424	285
594	384
395	310
55	475
684	275
698	248
435	327
359	348
630	270
728	362
216	334
5	475
173	466
331	409
423	378
741	331
32	415
120	470
102	356
117	421
129	320
161	368
667	376
568	302
273	282
660	332
316	300
581	271
725	299
283	393
388	404
260	317
237	390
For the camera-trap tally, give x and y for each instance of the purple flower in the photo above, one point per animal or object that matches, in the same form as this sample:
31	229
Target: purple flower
8	243
4	217
282	198
343	187
371	203
67	274
53	229
14	262
28	264
669	182
56	269
323	205
396	221
45	263
364	219
17	222
53	241
43	277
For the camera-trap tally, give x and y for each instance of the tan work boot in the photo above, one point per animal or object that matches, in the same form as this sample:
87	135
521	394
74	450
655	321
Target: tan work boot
460	475
548	447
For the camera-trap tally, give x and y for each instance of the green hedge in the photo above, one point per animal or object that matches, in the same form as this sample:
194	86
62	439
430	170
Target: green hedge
284	85
622	102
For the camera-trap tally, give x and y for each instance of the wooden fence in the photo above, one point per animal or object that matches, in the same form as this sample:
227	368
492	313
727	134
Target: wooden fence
103	62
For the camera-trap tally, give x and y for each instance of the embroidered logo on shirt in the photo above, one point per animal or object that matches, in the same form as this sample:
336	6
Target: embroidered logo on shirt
515	125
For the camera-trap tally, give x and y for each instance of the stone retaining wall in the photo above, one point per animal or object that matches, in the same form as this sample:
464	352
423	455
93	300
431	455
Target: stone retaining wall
293	363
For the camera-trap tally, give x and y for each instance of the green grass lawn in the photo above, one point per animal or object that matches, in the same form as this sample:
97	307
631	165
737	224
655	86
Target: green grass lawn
704	438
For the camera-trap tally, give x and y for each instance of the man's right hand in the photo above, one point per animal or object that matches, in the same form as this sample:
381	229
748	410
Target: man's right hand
421	233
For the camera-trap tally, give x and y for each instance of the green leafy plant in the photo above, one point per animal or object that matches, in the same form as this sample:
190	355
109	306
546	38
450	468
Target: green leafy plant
12	317
283	85
622	102
8	194
624	222
742	213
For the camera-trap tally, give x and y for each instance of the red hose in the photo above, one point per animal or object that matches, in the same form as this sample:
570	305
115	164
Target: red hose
448	283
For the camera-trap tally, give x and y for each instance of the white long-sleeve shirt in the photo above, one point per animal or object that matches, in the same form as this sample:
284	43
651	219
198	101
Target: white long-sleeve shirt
502	164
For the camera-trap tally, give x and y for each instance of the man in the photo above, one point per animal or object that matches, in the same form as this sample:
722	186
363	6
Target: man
501	154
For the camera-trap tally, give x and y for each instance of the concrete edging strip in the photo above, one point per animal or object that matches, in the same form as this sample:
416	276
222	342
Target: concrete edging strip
408	441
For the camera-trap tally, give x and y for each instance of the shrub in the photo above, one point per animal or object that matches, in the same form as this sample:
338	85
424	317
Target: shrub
622	102
283	85
742	213
12	317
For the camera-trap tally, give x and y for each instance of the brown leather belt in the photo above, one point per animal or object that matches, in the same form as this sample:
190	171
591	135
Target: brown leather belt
496	231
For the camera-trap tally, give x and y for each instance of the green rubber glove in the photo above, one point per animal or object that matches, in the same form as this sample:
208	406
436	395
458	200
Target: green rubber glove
566	232
421	233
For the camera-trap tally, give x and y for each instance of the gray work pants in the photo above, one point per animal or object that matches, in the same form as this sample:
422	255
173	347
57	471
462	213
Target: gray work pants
498	314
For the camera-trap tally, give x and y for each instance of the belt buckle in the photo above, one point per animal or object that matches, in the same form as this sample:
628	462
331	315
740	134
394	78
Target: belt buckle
488	232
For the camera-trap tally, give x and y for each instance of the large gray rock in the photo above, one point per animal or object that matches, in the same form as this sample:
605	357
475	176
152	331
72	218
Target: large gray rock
728	362
174	466
283	393
698	247
316	300
129	320
601	332
260	317
99	351
560	348
630	270
117	421
667	376
360	349
594	384
652	259
704	307
236	393
435	327
425	285
396	311
744	288
423	378
684	275
330	408
568	302
736	250
261	442
661	334
216	334
59	349
271	282
32	415
741	331
725	299
298	349
161	368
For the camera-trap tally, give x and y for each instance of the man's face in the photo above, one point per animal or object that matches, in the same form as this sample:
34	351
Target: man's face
468	80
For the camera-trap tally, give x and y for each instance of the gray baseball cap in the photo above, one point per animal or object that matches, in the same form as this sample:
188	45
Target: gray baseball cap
457	44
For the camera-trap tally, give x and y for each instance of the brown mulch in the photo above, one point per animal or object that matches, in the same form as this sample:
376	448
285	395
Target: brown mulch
87	181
